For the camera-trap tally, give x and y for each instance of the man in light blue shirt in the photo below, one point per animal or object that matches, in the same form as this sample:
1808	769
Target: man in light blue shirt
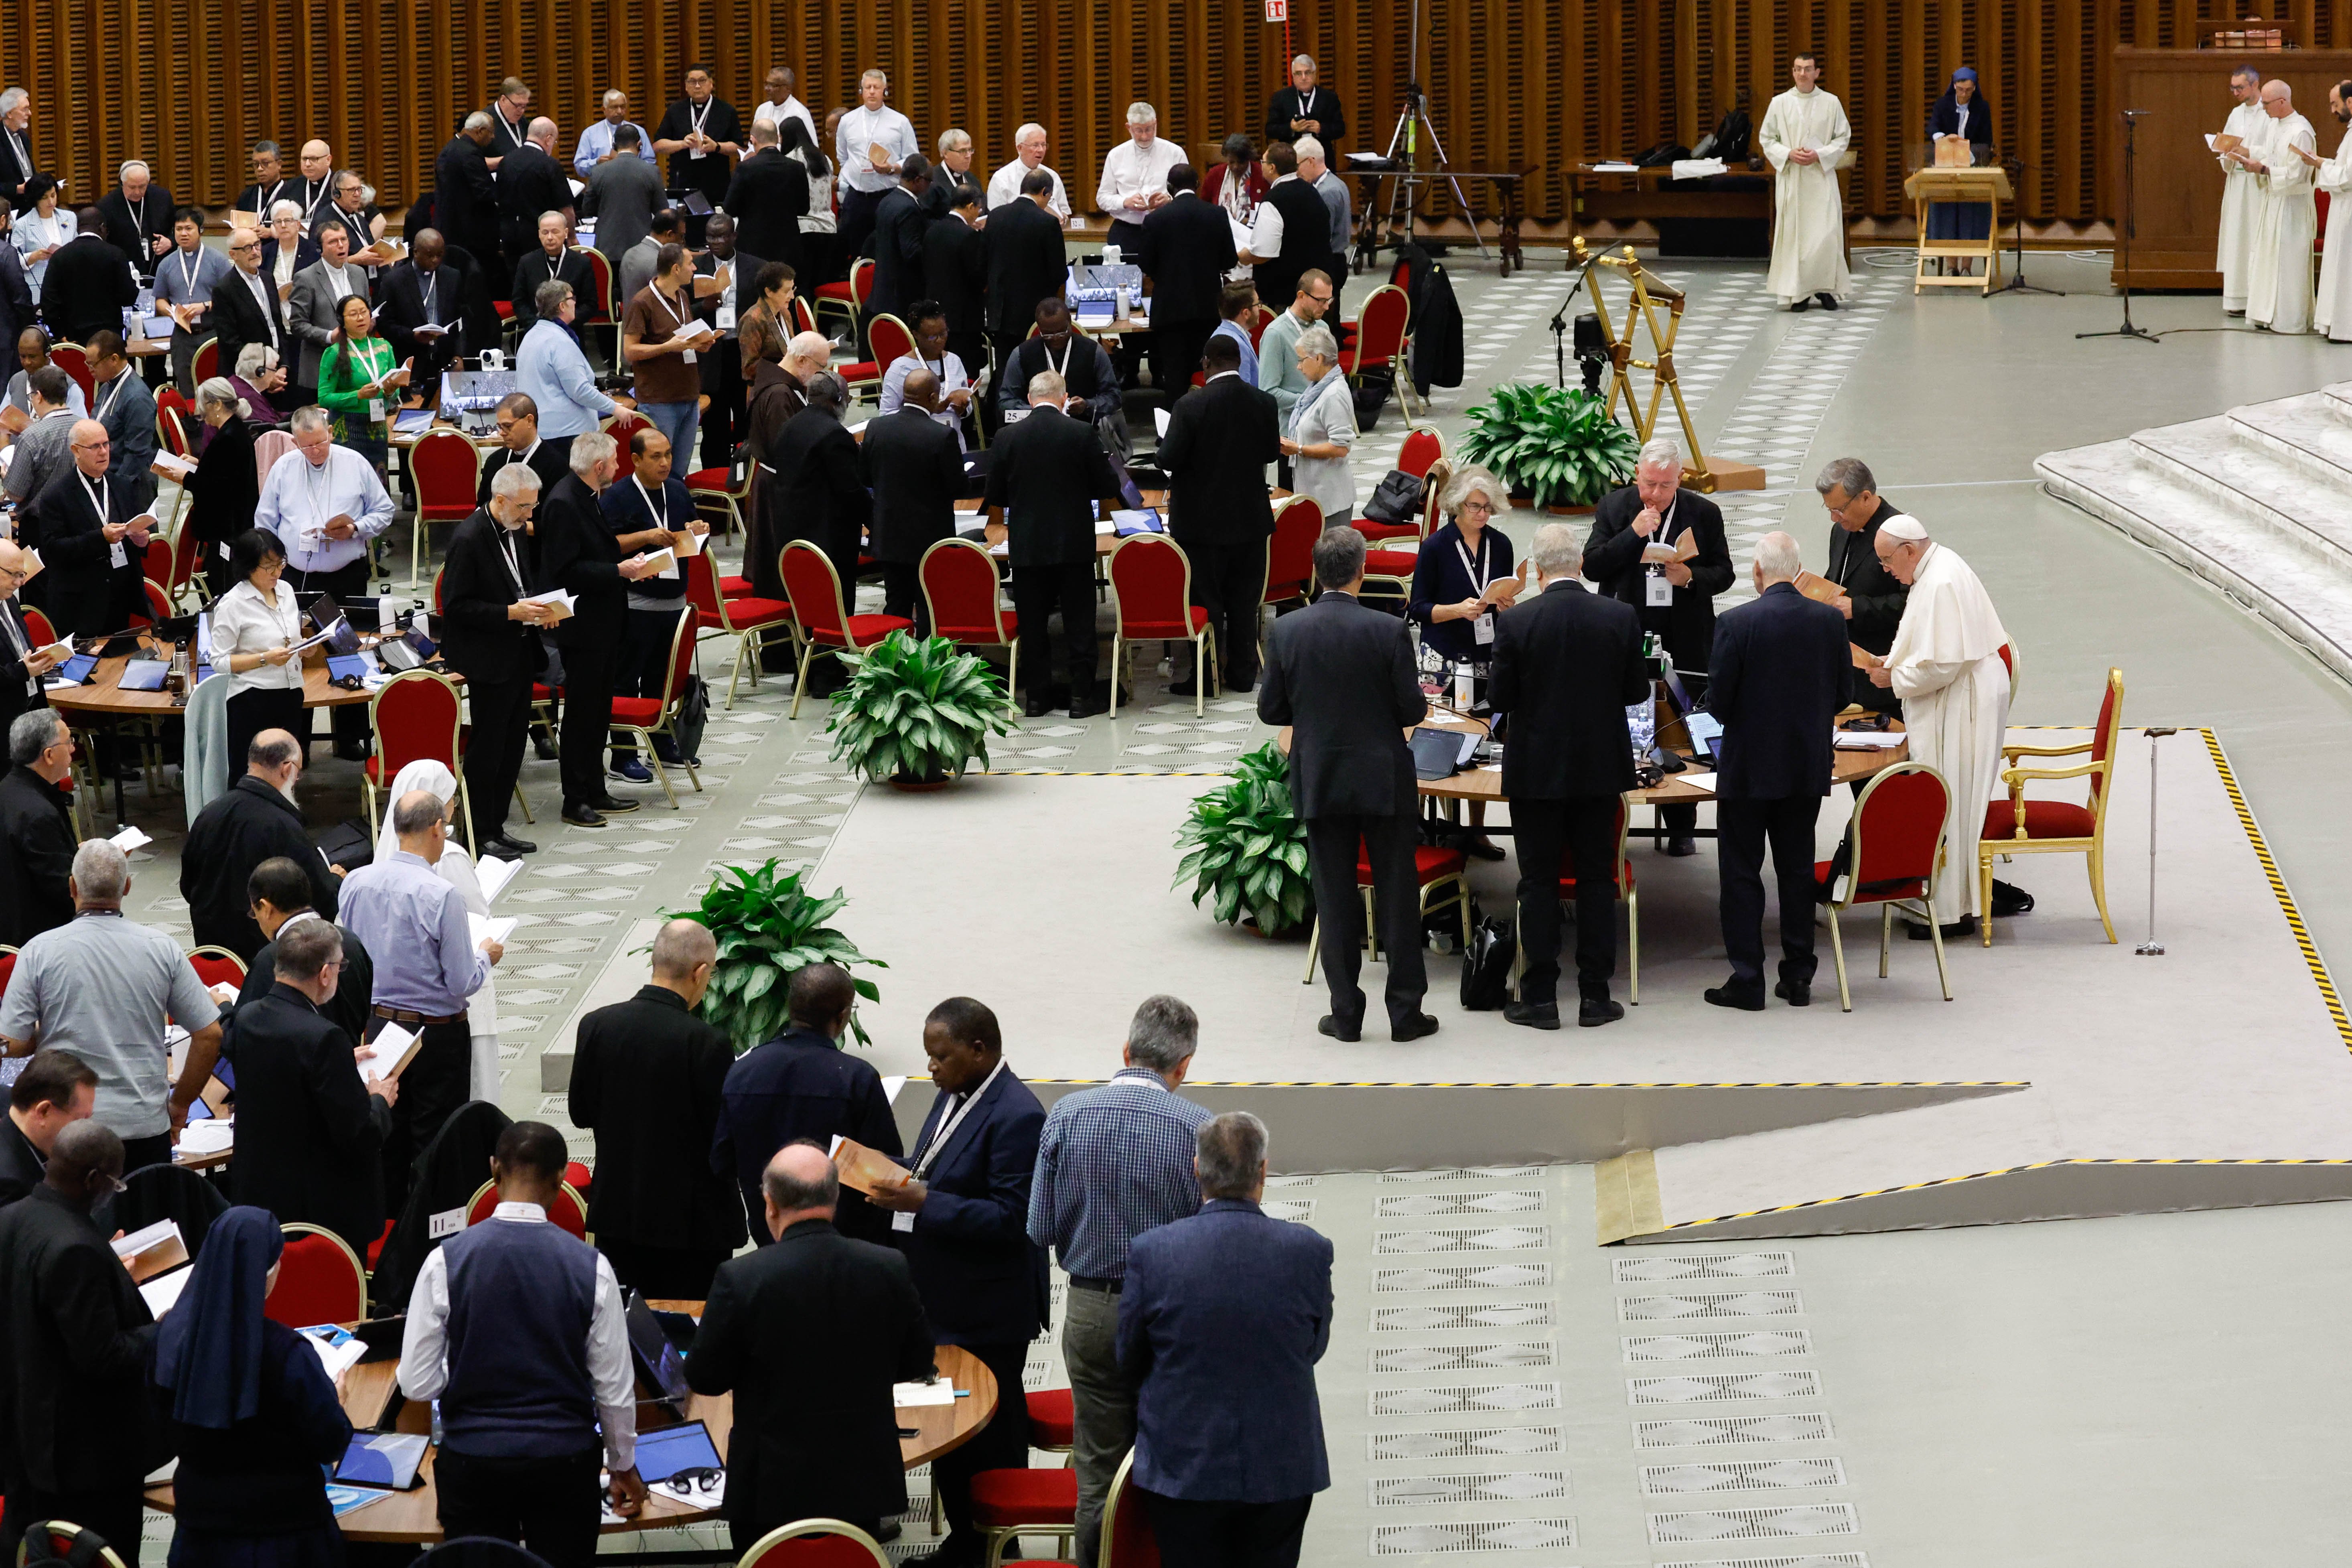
596	142
553	370
1234	301
184	281
415	926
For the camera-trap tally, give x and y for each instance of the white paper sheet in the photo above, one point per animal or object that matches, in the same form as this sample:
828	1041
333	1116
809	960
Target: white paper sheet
914	1396
496	928
495	874
209	1137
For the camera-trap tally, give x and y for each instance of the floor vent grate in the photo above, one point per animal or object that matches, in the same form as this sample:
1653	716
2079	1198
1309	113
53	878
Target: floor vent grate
1484	1442
1709	1304
1487	1357
1702	1266
1501	1486
1516	1535
1496	1315
1752	1523
1706	1431
1473	1173
1464	1400
1430	1205
1704	1387
1811	1560
1710	1347
1498	1239
1492	1277
1741	1475
1300	1210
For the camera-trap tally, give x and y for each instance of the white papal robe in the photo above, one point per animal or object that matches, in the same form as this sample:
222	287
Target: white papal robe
2239	193
1947	668
2332	310
2278	252
1808	214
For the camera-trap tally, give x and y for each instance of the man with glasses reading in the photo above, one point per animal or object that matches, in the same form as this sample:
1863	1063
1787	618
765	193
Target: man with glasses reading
92	537
245	307
325	503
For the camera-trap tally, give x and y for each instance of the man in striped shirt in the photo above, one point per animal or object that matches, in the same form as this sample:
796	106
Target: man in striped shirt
1112	1163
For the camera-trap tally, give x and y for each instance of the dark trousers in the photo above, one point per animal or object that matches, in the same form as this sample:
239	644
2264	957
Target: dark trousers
348	584
1037	592
1002	1445
502	715
1176	355
1331	846
1742	828
1226	1534
854	222
664	1273
589	663
1229	582
433	1085
138	1154
722	421
1586	828
902	594
547	1505
251	713
644	664
116	1512
1683	820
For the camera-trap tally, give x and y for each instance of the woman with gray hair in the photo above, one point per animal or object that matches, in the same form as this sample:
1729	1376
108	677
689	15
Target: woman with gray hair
253	378
225	488
551	369
1465	572
1322	428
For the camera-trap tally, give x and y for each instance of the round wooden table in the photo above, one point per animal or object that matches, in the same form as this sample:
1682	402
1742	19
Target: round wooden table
413	1518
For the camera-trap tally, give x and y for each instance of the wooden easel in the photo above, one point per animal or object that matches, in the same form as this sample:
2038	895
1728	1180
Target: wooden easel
1650	293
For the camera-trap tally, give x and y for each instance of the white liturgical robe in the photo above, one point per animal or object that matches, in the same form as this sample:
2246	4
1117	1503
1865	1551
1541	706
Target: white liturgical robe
1808	214
2239	192
2332	313
1947	667
2278	251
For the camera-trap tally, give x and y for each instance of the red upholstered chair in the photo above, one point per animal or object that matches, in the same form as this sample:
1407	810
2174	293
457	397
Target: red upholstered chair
960	587
185	547
1052	1420
1443	876
846	297
1893	851
1379	339
621	425
889	339
1423	445
205	364
63	1538
155	561
416	717
172	415
37	623
319	1280
814	587
7	968
1151	587
1010	1503
570	1210
1290	550
579	1178
2021	827
804	314
816	1543
716	490
645	717
751	622
74	359
1127	1541
2014	662
218	966
446	468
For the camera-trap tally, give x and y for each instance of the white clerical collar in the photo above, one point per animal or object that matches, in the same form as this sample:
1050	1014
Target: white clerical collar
1220	375
530	1211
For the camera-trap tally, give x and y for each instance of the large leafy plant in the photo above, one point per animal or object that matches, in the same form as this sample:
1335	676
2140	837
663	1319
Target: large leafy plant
769	926
917	708
1556	444
1249	847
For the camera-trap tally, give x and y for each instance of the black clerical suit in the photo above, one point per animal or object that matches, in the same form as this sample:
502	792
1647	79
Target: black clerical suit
22	1166
897	244
1305	242
1320	104
1085	367
37	851
18	310
715	118
569	265
820	491
1186	248
1220	439
1780	674
646	1082
414	298
86	287
1566	664
88	592
20	689
809	1334
767	197
223	495
1046	472
247	823
981	1280
17	167
465	197
313	1133
723	364
579	553
550	460
133	227
1878	598
1613	558
239	317
77	1434
955	273
1026	263
487	574
914	465
530	184
801	1085
1342	676
348	1009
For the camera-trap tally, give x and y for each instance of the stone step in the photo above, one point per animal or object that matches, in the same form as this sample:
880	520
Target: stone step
2290	494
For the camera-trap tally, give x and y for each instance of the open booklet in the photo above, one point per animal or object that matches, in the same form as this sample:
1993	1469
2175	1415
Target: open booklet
157	1257
1683	548
867	1171
1819	589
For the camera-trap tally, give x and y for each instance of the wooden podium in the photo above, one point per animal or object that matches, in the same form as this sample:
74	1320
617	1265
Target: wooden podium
2187	95
1927	188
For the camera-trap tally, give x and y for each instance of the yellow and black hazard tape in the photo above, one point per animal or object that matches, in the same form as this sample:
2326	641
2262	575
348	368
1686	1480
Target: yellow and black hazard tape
1976	1177
2319	976
1343	1083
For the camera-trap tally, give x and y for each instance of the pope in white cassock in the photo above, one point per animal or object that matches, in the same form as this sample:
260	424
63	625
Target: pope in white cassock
1947	668
2240	189
2333	313
2283	154
1805	137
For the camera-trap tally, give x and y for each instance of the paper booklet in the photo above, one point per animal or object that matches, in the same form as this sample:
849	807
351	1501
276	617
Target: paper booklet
1819	589
1863	658
2224	142
395	1049
1684	548
556	597
494	874
157	1250
908	1396
866	1170
497	927
876	154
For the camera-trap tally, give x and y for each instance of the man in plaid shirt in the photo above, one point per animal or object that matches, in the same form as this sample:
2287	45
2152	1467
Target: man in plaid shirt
1113	1163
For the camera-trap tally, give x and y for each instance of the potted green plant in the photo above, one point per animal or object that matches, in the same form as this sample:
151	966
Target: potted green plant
1554	446
917	711
769	926
1249	847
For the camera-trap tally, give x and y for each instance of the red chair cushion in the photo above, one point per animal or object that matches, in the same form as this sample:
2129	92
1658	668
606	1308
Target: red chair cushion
834	291
1389	563
1430	861
864	370
746	611
866	629
1909	888
1052	1420
1196	621
1372	530
2043	819
581	1180
1002	1497
645	710
985	636
505	308
736	588
710	479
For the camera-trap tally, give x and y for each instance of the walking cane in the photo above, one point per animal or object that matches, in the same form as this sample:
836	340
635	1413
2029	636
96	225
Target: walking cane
2152	948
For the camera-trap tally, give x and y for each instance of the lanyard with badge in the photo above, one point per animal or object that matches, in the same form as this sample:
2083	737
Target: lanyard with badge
726	315
938	1142
1483	628
102	496
659	512
113	395
188	275
1659	593
695	124
677	320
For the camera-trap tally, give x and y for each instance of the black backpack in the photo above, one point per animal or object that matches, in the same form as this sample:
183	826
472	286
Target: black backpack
693	713
1397	500
1486	967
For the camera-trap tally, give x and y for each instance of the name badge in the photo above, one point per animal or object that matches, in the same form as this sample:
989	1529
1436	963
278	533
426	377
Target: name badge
688	355
698	153
375	410
1483	628
1661	592
902	1222
224	549
116	555
726	316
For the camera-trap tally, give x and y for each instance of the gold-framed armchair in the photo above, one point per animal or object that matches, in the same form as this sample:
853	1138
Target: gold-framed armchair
2018	825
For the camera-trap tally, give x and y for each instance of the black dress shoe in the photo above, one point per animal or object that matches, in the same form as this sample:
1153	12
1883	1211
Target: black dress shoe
1481	848
1679	845
545	748
1533	1015
1330	1024
1829	300
1803	305
1036	706
1738	997
1412	1028
1183	689
1087	707
1965	926
609	804
1795	992
2008	900
583	817
1592	1012
353	753
890	1530
506	844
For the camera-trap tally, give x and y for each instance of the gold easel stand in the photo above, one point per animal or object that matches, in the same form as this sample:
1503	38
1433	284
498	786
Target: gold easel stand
1650	293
